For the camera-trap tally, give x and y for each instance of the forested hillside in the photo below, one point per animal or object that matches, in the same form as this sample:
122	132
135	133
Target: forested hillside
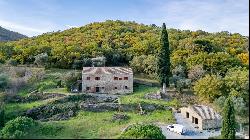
121	41
209	67
7	35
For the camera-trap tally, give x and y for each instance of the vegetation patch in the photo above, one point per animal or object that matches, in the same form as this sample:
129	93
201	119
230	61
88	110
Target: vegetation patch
53	111
142	131
96	125
138	96
31	97
18	128
64	108
13	110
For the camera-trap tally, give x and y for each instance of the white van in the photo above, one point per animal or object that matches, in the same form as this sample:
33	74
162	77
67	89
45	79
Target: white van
177	128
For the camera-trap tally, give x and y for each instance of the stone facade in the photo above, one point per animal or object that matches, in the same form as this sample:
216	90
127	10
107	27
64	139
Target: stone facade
202	116
110	80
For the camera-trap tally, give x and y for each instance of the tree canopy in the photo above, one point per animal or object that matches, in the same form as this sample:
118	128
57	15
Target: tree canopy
121	41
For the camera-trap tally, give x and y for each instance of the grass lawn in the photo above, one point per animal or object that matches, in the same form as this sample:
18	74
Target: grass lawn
13	110
58	90
97	125
42	85
48	83
138	96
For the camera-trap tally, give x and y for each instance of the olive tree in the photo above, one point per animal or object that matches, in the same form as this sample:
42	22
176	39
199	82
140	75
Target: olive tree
41	59
209	87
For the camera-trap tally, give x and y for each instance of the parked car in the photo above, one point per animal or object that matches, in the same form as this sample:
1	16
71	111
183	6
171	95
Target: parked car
177	128
74	91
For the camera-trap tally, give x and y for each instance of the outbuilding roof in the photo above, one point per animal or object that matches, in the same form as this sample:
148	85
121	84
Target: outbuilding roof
205	112
106	70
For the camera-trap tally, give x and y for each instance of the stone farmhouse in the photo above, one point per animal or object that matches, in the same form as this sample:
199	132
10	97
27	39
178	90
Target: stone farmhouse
110	80
202	116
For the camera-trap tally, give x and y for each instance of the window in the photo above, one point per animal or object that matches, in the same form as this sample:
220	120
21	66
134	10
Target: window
88	78
125	78
87	88
126	87
115	87
97	78
115	78
196	121
120	78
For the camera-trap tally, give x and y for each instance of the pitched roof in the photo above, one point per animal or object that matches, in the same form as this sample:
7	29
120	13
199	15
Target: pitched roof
106	70
205	112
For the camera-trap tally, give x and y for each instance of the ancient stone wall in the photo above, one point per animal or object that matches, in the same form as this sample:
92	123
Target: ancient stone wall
211	124
191	114
202	123
107	84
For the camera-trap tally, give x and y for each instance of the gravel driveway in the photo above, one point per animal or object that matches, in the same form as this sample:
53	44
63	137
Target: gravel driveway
192	133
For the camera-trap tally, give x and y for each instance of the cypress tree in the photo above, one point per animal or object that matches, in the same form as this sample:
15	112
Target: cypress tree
164	59
229	124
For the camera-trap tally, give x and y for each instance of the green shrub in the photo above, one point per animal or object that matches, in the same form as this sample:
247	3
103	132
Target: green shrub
41	59
4	80
46	85
70	79
12	62
142	131
175	103
18	128
49	129
2	116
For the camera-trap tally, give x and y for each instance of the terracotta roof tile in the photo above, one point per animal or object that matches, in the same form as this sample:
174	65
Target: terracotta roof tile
106	70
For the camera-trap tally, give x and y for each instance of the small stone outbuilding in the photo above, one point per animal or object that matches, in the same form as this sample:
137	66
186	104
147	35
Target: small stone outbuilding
110	80
202	116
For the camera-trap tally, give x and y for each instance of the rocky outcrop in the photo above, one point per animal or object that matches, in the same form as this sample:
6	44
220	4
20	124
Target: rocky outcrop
119	117
48	111
61	116
156	95
99	107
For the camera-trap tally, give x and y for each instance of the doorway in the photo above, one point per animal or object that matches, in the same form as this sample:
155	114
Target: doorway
187	115
97	89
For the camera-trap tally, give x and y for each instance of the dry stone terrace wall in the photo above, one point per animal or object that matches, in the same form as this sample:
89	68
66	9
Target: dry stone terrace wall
65	107
68	106
100	107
